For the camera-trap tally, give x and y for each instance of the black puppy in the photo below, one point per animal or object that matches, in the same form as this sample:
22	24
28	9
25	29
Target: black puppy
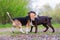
43	20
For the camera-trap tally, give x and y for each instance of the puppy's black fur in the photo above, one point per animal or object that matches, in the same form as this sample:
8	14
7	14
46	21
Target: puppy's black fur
42	20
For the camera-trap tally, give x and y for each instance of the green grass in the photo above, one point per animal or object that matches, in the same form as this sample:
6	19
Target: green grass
5	25
55	25
9	33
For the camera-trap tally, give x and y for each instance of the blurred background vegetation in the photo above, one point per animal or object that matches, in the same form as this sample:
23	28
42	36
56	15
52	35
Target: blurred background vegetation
52	12
18	8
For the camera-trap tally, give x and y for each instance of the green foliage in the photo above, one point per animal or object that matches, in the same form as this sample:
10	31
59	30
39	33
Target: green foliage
16	8
52	12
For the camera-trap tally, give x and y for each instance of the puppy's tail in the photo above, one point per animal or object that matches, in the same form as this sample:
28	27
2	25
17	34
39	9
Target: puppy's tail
9	16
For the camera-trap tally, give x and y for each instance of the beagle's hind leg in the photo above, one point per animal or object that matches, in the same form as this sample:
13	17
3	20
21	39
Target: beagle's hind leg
17	24
27	26
20	27
13	29
21	30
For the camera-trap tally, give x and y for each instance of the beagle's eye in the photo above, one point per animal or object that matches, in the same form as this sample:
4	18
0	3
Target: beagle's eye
34	15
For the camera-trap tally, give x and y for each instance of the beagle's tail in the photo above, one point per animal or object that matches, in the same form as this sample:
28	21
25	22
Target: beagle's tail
9	16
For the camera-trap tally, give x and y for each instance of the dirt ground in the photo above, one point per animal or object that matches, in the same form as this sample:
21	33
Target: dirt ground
6	34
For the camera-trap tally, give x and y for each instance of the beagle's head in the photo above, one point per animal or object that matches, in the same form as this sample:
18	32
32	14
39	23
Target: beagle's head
32	15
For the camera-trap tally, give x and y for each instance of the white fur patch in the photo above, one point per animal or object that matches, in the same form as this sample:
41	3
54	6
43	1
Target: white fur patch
21	30
13	23
31	23
13	29
27	30
33	19
36	16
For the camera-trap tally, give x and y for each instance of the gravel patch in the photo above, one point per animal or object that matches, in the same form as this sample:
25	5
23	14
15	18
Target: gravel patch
31	36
